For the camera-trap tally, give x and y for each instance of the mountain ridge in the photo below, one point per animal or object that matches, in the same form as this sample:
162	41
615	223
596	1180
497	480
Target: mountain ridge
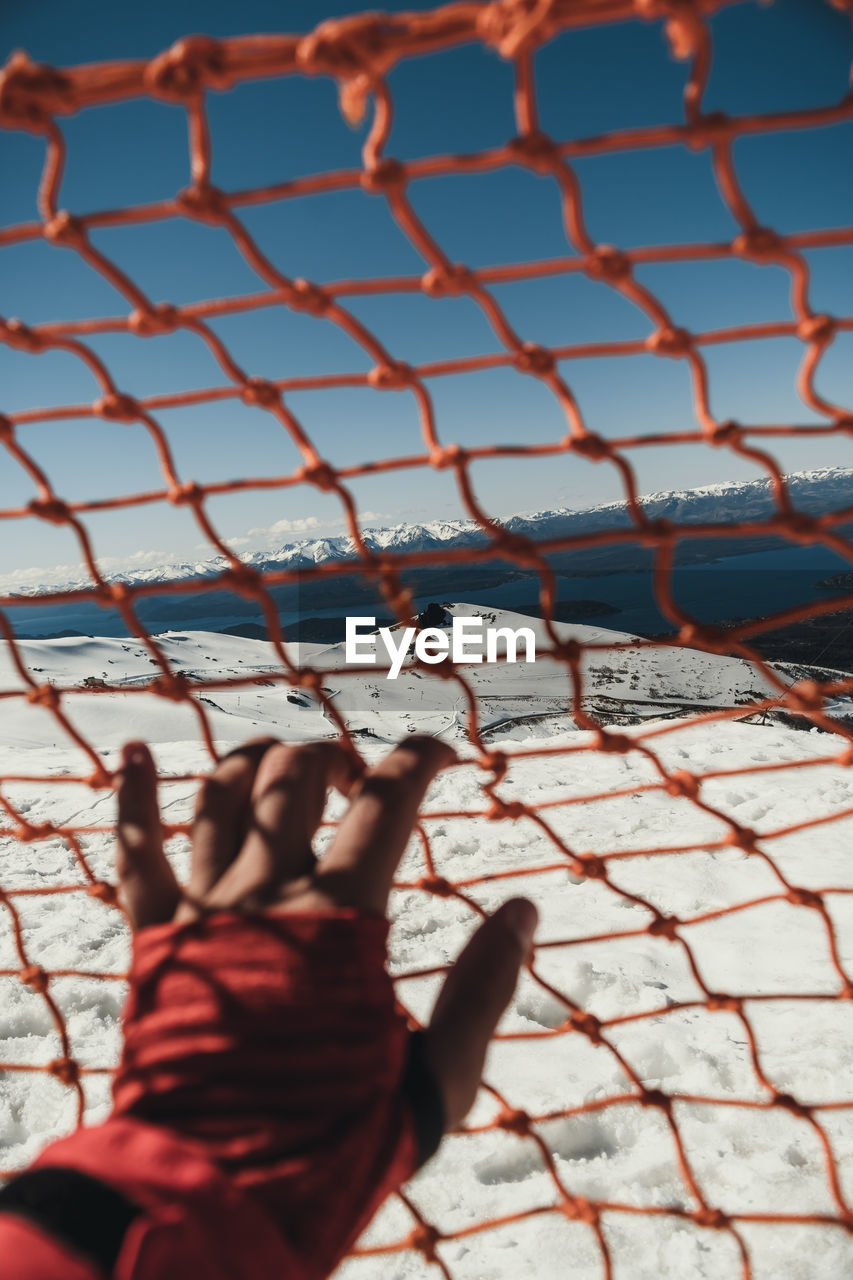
815	491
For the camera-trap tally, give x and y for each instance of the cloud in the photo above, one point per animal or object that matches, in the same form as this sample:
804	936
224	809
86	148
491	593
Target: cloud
59	575
303	524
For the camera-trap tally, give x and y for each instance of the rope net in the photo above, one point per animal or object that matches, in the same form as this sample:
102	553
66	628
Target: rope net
358	53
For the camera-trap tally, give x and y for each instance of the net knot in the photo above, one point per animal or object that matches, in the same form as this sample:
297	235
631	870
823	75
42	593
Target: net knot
342	47
664	927
173	686
321	474
447	455
203	202
656	1098
757	243
613	743
721	433
66	1070
447	282
54	510
670	341
653	532
115	593
497	762
187	494
66	230
718	1002
260	392
713	1218
242	579
513	25
499	809
305	296
27	832
799	897
742	838
152	321
310	679
535	150
34	976
591	867
608	263
515	1121
591	446
424	1238
7	429
570	650
104	892
805	695
698	635
387	175
789	1103
20	337
118	407
534	359
393	376
587	1024
682	783
579	1209
819	329
708	130
437	885
184	70
32	93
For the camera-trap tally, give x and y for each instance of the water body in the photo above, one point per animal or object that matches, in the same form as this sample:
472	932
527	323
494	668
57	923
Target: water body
747	586
743	586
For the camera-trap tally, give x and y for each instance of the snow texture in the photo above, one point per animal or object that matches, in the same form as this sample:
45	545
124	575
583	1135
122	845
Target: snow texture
746	1160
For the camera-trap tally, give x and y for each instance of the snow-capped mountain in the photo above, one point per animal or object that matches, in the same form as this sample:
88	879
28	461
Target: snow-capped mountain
826	489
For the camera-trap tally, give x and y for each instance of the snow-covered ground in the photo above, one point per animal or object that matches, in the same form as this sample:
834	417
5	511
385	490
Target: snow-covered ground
747	1161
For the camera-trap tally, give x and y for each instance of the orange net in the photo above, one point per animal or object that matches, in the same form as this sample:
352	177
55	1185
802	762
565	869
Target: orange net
358	53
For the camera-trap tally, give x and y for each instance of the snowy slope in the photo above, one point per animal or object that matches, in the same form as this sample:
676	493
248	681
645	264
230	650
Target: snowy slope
747	1161
633	677
825	489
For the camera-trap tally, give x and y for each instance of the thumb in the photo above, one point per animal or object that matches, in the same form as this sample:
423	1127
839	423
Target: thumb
477	990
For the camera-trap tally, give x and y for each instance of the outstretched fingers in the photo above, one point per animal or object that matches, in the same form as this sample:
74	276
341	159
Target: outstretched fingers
359	866
222	814
288	798
148	885
477	991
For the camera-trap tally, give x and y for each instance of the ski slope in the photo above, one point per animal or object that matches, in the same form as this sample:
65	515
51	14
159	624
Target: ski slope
751	1161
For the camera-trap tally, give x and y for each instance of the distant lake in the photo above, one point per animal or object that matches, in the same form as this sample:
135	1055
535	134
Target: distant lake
744	586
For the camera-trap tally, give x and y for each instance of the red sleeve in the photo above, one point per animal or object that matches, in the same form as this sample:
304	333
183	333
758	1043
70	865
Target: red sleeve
259	1118
28	1254
193	1220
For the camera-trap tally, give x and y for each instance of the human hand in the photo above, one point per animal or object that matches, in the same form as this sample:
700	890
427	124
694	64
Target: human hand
252	858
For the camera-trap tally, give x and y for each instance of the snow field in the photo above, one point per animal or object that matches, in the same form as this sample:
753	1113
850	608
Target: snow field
747	1161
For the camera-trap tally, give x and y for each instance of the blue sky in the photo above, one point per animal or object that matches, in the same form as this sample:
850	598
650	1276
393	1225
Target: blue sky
793	54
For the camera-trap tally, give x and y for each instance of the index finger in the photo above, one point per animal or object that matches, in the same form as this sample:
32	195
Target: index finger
358	868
